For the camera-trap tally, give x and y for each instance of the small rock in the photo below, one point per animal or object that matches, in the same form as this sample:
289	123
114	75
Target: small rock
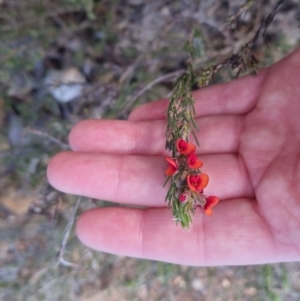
65	85
225	283
143	292
15	130
250	291
165	11
179	281
197	285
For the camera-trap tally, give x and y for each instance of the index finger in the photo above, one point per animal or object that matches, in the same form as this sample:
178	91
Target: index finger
138	180
236	97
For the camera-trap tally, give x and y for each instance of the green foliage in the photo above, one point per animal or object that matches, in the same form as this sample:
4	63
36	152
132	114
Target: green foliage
268	274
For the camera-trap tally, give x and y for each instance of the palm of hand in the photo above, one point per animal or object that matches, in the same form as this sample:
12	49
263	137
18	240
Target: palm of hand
251	150
270	148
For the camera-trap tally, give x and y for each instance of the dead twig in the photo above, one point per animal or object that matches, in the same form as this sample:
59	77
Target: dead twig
242	9
60	256
48	136
265	24
131	99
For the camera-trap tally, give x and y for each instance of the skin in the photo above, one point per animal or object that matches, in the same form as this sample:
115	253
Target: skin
250	145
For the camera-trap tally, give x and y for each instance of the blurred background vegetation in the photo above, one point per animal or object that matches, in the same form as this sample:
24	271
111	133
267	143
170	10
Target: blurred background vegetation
63	61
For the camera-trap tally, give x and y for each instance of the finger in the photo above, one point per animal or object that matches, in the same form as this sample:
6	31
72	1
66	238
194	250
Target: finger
236	97
234	235
139	180
218	134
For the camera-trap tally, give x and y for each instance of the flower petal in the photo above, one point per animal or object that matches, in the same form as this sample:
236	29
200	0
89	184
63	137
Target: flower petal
193	161
197	182
185	148
182	198
211	201
192	182
172	167
171	170
208	211
172	162
203	182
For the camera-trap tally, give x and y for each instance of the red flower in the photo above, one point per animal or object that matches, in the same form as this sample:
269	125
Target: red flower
211	201
197	182
182	198
193	161
185	196
185	148
172	167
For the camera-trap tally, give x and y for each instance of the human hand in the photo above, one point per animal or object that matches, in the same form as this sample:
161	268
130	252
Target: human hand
250	145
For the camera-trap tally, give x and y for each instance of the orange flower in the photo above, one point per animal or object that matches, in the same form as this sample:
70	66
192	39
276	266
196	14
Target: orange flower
197	182
193	161
172	167
211	201
185	148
